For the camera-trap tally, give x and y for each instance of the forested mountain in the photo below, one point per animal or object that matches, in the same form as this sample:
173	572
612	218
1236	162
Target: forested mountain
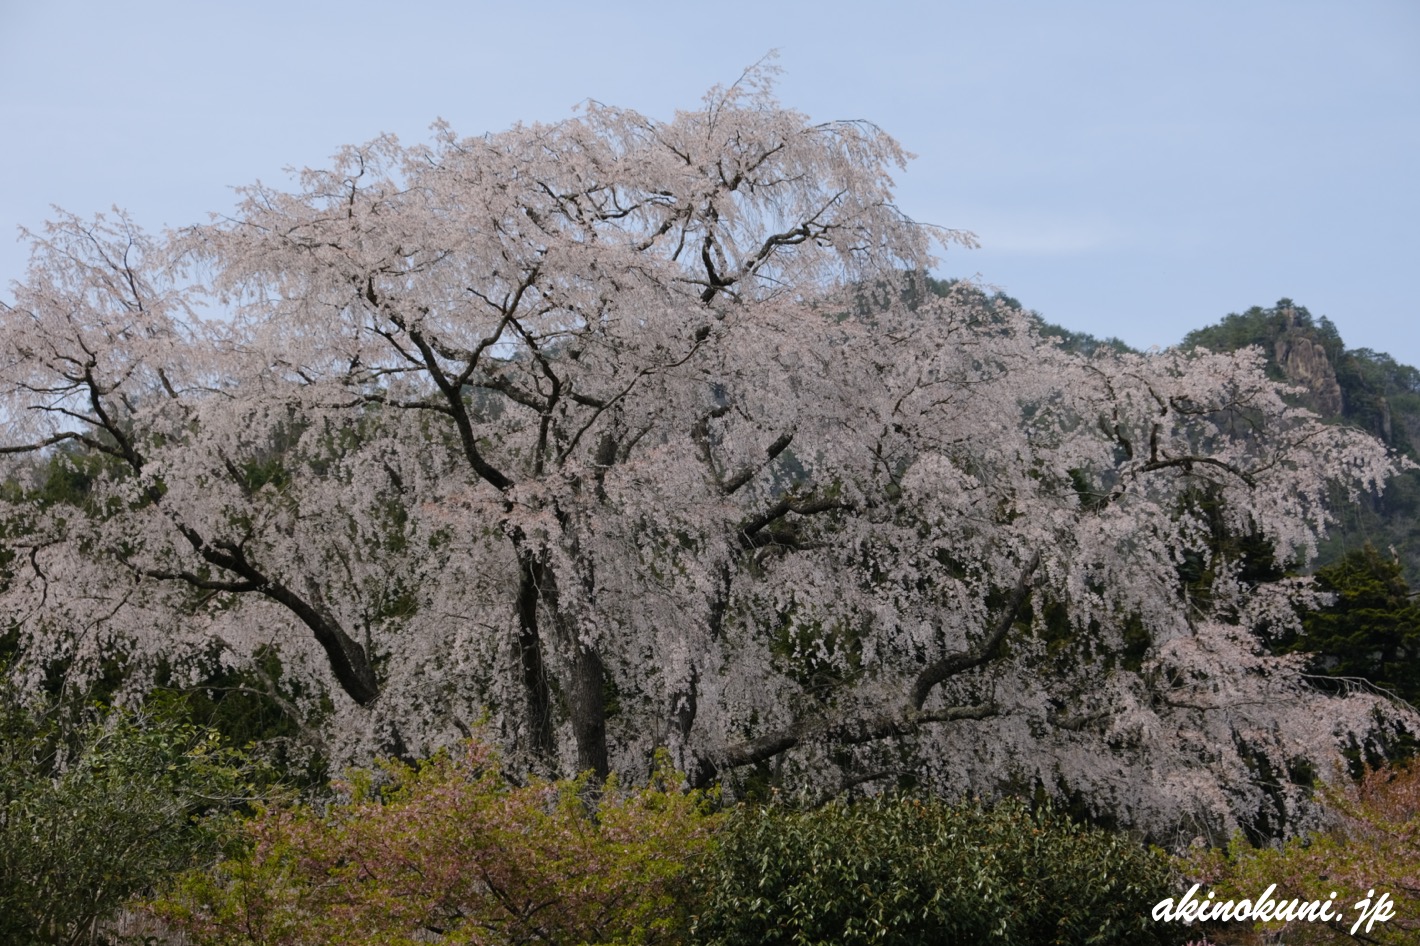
1359	387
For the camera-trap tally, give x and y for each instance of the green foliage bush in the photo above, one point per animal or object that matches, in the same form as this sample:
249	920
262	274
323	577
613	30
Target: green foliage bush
94	816
907	871
451	852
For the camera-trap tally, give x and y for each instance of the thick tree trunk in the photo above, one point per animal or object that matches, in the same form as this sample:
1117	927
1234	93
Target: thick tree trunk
586	696
584	688
536	692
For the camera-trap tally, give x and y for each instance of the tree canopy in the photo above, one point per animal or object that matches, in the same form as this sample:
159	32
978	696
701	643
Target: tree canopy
1371	628
628	434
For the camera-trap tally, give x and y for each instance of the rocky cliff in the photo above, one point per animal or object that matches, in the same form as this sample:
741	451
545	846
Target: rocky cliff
1305	363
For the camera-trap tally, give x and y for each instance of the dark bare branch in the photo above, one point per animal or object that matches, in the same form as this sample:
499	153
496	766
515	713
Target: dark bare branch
986	650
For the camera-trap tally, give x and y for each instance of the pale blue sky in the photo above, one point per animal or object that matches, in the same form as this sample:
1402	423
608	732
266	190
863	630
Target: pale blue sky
1132	168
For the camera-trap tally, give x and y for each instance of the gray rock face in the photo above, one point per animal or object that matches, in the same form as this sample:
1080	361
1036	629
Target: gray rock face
1305	364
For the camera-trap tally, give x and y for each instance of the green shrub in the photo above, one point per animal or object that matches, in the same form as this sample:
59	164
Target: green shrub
90	817
906	871
450	852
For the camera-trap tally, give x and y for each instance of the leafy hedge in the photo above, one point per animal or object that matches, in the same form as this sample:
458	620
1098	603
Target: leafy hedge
907	871
92	816
450	852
